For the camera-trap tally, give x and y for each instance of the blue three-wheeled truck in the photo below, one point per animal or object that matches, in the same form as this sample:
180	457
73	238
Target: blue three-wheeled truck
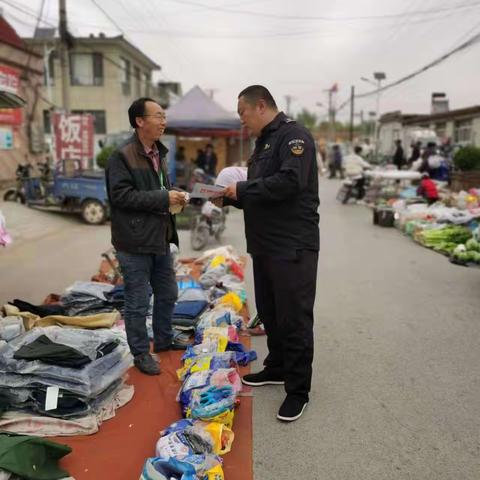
82	192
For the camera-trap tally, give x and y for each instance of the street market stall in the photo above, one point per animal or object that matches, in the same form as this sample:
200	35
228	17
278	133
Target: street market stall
448	226
196	120
66	382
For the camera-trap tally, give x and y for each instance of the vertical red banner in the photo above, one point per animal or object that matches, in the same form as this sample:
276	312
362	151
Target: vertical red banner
74	138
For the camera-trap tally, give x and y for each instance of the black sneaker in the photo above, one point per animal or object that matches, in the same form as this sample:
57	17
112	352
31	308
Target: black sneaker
262	378
146	364
292	408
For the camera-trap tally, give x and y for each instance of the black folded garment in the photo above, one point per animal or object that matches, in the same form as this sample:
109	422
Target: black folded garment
40	310
42	348
47	351
185	321
81	304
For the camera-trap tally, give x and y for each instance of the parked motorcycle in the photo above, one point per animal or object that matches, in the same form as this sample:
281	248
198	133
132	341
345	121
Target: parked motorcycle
17	193
209	223
352	188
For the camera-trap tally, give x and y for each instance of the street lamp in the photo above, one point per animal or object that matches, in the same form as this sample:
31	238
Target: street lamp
378	76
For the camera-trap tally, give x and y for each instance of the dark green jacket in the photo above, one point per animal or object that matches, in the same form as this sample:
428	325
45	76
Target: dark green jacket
141	222
32	458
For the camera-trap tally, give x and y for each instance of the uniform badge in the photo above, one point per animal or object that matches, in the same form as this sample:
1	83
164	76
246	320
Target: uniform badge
297	146
267	146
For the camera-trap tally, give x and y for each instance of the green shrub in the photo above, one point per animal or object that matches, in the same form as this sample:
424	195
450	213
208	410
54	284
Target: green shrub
467	158
102	157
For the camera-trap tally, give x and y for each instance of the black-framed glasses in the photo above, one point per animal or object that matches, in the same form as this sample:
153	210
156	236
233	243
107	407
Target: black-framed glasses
156	115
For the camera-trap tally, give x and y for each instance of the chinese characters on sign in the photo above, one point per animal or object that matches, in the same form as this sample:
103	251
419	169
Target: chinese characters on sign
10	82
74	138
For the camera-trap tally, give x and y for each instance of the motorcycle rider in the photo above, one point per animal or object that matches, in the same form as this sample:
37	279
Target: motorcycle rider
354	166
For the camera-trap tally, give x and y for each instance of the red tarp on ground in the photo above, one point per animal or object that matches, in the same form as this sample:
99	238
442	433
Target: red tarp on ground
123	443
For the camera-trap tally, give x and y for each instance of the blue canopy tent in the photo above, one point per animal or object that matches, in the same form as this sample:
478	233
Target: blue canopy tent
196	114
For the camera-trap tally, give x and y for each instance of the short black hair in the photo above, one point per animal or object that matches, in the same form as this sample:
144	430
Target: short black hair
358	149
254	93
137	109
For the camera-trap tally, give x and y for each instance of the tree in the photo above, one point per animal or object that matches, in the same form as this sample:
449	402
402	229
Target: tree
103	156
307	119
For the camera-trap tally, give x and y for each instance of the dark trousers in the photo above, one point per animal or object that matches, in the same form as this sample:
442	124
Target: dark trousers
360	188
285	295
334	168
142	274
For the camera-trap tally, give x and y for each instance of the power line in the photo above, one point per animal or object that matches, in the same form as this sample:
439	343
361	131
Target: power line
470	42
27	12
324	18
200	35
108	16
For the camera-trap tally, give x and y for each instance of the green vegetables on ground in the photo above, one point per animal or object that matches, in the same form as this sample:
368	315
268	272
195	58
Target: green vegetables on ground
468	253
445	239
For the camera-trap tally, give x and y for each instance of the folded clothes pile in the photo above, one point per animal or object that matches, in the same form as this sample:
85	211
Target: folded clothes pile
80	299
64	373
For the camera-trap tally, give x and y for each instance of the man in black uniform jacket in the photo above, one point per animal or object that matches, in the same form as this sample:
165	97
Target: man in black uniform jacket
280	204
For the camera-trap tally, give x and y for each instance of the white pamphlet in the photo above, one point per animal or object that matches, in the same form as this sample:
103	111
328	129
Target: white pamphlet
202	190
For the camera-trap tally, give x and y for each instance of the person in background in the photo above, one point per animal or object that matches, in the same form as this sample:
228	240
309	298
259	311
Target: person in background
429	151
200	160
399	155
354	165
181	165
336	162
428	189
207	160
415	155
210	160
367	150
320	161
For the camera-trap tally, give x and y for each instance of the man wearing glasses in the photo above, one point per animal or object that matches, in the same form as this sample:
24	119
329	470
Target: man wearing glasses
140	198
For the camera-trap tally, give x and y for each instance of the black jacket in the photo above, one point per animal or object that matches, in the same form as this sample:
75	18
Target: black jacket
280	198
141	222
399	157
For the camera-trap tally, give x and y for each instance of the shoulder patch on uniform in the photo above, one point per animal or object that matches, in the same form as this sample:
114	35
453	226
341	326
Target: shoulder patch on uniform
297	146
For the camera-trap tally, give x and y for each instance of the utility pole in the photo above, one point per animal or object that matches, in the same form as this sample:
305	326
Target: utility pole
63	54
352	112
379	76
331	115
288	99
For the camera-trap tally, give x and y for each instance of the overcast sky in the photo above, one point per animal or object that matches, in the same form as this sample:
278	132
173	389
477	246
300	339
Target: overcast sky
298	48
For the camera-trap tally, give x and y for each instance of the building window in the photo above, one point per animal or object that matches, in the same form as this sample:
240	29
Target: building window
99	120
51	69
441	130
47	126
463	131
138	82
86	69
126	77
